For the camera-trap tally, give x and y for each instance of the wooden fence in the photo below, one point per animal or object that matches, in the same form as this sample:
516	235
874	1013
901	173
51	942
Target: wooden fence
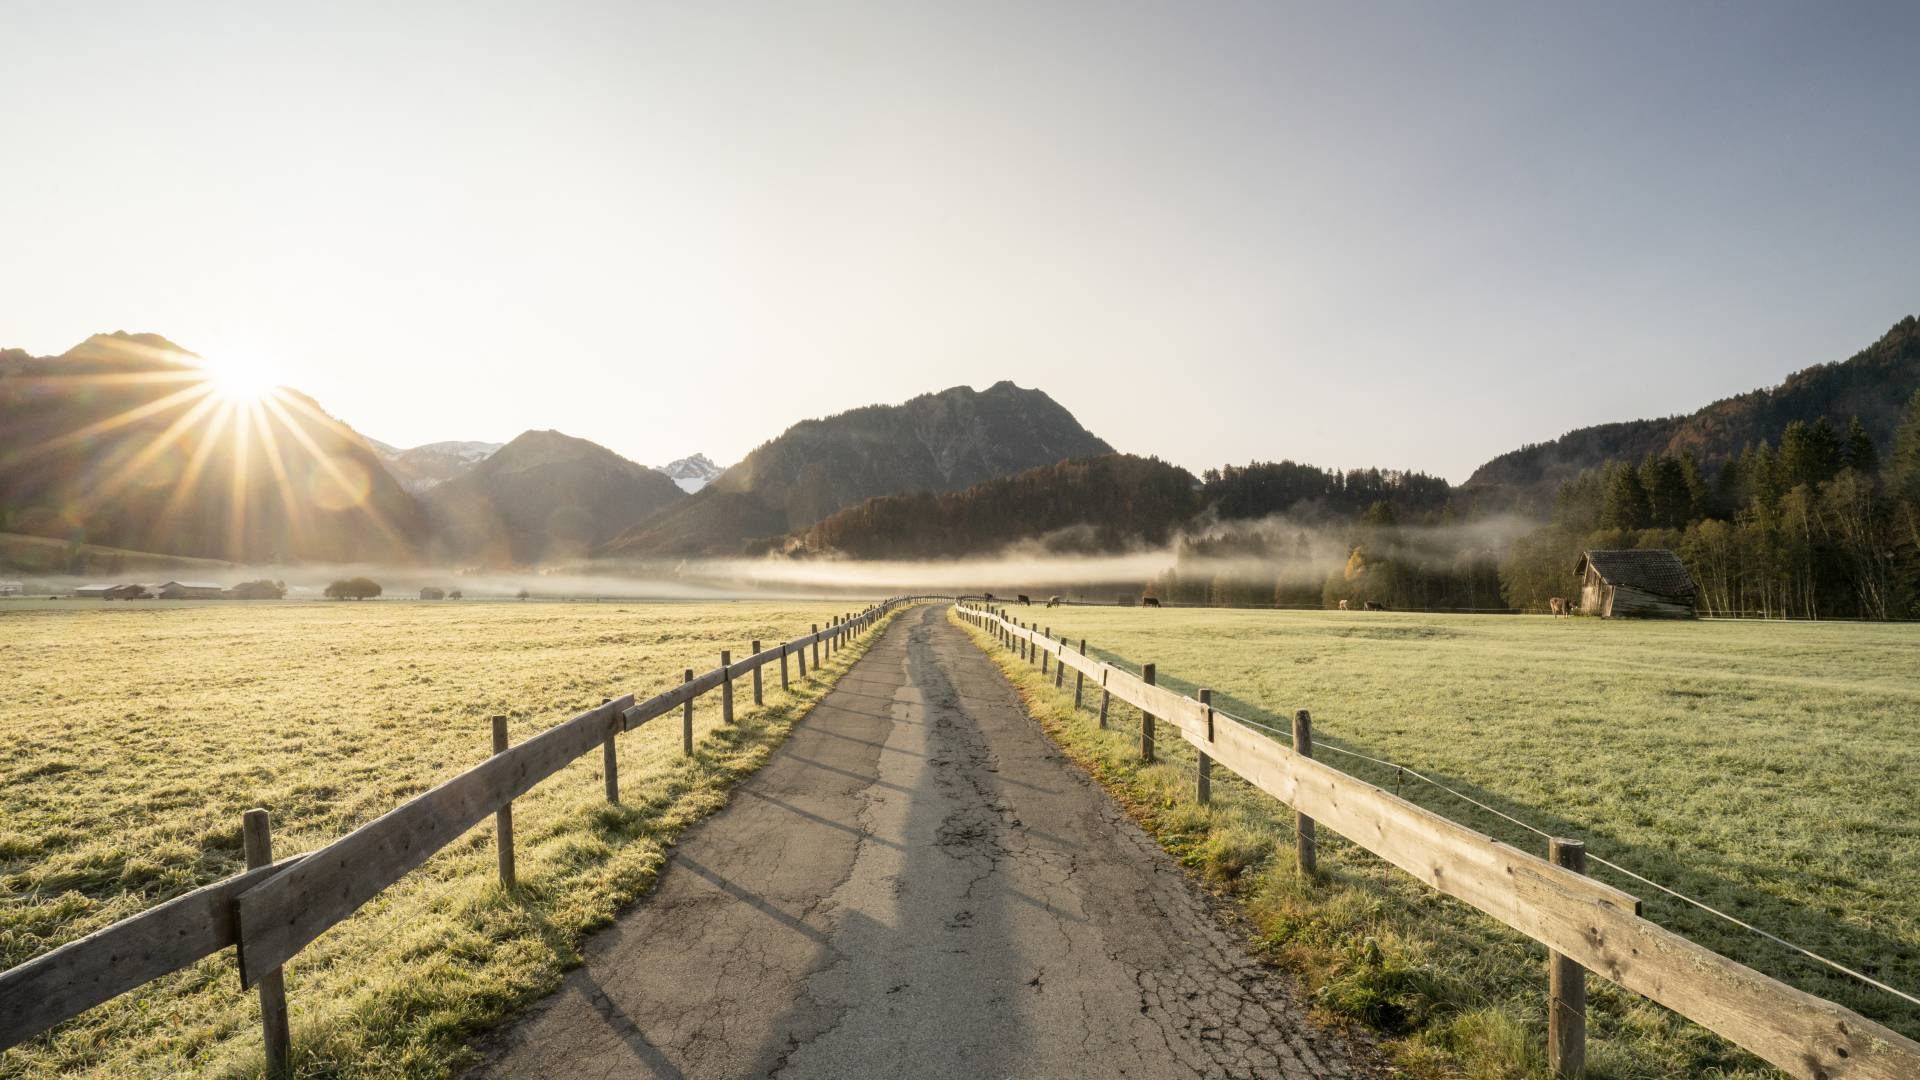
1580	921
273	909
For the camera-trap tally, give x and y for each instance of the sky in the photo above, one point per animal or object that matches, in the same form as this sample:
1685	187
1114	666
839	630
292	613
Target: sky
1401	235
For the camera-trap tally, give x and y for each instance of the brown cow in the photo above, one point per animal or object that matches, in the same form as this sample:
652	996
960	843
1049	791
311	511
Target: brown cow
1375	605
1025	599
1559	606
1150	601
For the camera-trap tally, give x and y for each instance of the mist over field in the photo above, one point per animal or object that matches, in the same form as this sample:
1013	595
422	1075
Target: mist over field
1277	548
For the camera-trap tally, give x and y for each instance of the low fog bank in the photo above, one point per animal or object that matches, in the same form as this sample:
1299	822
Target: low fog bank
1287	552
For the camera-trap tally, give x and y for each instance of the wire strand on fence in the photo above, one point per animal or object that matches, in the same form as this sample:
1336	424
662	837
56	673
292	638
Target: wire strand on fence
1401	770
1643	879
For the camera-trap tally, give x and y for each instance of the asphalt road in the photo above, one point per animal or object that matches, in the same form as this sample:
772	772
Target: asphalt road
918	884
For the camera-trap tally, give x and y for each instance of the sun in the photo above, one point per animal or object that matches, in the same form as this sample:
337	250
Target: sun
239	381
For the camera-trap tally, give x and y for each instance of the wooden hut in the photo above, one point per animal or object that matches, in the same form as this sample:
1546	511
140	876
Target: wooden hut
1636	583
191	590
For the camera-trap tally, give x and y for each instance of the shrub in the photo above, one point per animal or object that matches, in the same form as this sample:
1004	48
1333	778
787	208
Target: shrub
358	588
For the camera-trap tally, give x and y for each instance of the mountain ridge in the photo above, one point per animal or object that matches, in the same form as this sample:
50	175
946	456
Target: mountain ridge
543	496
940	441
1873	384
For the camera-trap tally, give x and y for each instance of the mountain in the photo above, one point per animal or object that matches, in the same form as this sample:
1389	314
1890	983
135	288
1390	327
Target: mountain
1873	384
935	442
424	467
543	497
692	473
127	441
1083	505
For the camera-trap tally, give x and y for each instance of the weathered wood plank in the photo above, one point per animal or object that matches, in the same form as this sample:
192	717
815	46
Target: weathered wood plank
112	960
282	914
1592	923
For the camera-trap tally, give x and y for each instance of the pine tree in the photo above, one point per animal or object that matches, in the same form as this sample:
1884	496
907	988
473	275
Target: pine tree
1626	505
1860	454
1809	454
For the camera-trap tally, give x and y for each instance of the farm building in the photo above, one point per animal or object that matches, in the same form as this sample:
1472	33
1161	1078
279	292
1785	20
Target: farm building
1641	582
112	592
191	590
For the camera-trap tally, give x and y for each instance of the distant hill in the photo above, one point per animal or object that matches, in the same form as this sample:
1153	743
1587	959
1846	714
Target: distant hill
1874	384
1097	504
935	442
543	497
124	441
692	473
421	468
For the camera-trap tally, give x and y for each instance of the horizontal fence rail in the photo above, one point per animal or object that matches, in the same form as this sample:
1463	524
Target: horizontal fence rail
273	911
1587	921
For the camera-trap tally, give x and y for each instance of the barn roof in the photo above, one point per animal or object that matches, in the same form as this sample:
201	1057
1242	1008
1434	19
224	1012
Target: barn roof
1654	570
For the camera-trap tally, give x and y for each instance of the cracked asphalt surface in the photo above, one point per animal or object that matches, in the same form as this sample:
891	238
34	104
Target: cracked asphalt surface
919	883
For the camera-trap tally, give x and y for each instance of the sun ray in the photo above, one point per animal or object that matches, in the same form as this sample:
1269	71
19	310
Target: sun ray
270	449
98	493
277	404
237	496
320	418
190	477
111	378
111	423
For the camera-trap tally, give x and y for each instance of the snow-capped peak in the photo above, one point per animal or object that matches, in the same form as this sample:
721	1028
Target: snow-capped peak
692	473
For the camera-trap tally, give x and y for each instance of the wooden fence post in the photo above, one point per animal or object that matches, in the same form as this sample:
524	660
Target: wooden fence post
816	652
1146	720
686	721
756	677
1060	668
1302	824
726	687
1079	677
503	818
256	832
610	761
1045	654
783	665
1566	985
1203	786
1106	697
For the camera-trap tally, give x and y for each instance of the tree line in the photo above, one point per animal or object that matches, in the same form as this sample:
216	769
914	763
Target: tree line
1822	524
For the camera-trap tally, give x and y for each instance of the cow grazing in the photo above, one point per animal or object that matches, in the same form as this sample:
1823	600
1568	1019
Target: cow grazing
1375	605
1343	605
1150	601
1053	601
1025	599
1558	605
989	597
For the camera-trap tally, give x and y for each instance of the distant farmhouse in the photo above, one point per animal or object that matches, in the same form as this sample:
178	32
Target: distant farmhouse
191	590
115	592
1642	582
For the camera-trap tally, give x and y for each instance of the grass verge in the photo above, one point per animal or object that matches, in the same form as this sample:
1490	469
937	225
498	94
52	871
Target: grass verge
316	711
1451	992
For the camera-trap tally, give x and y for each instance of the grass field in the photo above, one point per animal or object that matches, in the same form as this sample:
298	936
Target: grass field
132	738
1769	769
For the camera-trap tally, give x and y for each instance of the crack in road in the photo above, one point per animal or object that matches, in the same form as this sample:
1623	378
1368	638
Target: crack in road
918	882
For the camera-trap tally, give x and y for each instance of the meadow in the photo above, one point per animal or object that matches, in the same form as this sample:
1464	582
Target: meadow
1767	769
134	736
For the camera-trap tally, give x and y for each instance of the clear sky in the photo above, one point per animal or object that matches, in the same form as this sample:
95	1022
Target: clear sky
1354	234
